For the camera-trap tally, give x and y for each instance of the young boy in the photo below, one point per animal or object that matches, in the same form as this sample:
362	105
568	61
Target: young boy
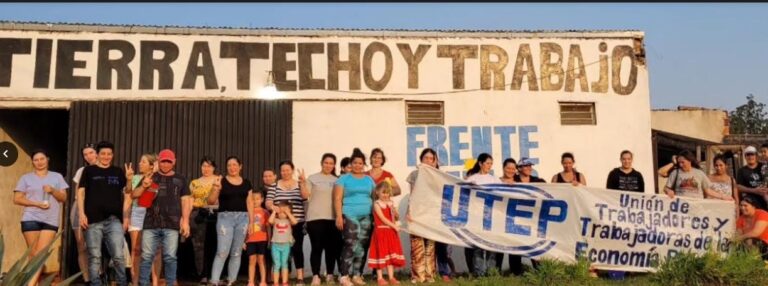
256	242
282	239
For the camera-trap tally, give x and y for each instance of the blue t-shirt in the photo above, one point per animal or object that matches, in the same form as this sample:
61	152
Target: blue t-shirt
32	187
357	195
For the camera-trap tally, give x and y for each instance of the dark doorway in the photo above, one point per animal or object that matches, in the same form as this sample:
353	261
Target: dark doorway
45	129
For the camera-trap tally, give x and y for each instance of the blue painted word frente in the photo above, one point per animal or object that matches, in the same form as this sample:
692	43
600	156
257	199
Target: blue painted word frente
446	141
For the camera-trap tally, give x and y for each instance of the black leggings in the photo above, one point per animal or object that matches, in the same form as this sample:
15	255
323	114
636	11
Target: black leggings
324	236
297	249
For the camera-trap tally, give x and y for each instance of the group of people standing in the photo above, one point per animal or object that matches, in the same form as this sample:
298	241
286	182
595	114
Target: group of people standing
350	218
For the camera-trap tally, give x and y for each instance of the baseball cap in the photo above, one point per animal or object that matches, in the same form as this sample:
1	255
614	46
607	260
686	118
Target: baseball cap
750	150
167	155
525	162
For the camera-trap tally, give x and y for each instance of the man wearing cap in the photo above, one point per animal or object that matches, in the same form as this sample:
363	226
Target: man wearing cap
750	178
166	219
526	172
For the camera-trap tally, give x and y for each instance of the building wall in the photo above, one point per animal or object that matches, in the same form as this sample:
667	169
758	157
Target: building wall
704	124
501	90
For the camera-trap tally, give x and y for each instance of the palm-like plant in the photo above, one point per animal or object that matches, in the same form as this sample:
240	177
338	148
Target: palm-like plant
22	271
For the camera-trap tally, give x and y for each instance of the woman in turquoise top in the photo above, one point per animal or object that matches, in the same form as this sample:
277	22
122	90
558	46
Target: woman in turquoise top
352	205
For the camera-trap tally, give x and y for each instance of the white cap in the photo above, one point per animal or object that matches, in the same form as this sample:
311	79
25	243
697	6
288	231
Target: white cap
750	150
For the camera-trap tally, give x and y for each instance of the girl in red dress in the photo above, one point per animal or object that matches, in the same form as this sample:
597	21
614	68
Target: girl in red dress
385	250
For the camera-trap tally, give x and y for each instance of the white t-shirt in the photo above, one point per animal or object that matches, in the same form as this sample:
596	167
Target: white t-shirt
483	179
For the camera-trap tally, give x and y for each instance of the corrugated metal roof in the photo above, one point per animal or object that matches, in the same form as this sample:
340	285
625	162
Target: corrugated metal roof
276	31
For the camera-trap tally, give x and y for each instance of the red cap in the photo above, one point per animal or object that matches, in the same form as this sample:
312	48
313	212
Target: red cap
167	155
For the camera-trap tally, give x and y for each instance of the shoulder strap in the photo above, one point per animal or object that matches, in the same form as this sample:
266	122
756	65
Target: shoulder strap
674	182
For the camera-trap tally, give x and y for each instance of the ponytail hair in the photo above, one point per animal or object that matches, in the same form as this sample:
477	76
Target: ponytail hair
480	159
356	153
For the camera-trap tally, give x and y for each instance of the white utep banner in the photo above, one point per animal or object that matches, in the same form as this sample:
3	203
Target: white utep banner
615	230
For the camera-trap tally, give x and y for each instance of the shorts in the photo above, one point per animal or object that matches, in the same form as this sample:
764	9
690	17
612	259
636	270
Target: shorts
259	248
37	226
137	218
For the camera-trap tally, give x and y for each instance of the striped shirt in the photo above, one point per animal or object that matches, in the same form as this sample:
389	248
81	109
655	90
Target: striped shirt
292	195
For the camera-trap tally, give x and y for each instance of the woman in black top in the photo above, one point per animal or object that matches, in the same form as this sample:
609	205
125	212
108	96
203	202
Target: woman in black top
232	193
569	174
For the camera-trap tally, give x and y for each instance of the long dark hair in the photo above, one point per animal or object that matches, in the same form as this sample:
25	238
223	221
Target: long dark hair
480	159
344	163
326	156
428	151
688	155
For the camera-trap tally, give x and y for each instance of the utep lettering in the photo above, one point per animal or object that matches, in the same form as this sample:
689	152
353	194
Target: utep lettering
482	137
549	211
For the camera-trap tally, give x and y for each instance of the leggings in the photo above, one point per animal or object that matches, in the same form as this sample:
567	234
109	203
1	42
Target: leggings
366	248
324	236
297	249
422	259
355	234
280	255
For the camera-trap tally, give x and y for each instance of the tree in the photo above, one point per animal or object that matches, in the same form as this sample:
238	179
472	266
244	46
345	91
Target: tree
749	118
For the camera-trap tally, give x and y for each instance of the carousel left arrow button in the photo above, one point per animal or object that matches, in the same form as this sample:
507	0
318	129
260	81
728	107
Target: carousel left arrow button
8	154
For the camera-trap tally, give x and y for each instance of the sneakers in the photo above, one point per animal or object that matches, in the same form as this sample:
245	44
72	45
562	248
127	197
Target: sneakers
316	280
393	281
329	279
381	282
344	281
358	280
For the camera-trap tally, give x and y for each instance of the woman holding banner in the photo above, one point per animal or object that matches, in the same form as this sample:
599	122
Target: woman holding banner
752	225
569	174
479	260
688	180
423	250
723	185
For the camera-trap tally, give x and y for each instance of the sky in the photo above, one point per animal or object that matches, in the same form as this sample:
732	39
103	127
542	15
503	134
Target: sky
699	54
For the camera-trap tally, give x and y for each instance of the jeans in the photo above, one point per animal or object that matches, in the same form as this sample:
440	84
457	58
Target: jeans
168	239
443	254
479	260
231	229
110	229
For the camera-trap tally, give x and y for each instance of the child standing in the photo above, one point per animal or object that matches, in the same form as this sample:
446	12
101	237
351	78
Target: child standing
256	242
385	250
282	239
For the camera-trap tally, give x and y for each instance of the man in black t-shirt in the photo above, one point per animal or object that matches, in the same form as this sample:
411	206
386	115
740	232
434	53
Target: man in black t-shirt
166	218
750	178
103	211
625	178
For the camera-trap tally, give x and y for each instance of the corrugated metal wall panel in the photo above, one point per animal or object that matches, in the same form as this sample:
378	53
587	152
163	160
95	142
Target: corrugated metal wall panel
258	132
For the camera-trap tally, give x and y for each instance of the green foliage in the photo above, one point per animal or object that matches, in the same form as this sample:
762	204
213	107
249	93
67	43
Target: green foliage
554	272
740	266
23	269
749	118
